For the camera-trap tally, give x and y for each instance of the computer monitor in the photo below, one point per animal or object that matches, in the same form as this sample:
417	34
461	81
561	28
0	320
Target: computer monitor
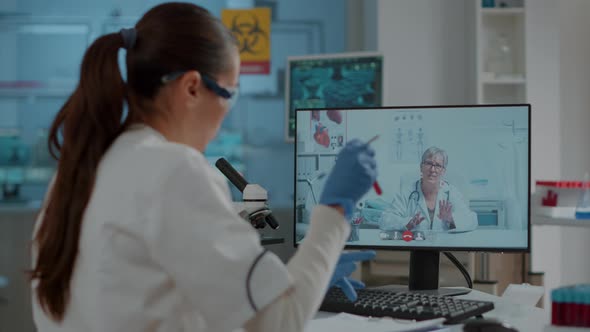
453	178
331	80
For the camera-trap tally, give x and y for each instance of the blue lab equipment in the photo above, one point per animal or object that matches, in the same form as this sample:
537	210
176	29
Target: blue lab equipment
488	3
14	157
13	152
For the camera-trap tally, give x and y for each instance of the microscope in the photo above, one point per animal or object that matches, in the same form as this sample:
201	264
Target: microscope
254	207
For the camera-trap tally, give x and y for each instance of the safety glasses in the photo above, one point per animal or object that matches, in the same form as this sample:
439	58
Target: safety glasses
229	94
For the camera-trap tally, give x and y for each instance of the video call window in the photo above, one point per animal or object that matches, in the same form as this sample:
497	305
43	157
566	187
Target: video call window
454	177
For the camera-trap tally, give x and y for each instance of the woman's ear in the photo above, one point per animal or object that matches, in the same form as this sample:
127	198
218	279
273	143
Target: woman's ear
191	82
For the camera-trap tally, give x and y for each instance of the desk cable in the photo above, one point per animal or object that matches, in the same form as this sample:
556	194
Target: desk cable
461	268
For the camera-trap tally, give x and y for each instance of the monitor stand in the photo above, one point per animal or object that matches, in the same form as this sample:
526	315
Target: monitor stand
424	268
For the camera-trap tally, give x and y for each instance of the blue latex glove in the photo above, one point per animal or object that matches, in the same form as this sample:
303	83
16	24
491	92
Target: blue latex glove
352	176
345	266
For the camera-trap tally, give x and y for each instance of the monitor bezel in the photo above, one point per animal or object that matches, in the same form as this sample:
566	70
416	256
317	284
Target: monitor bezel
328	56
410	248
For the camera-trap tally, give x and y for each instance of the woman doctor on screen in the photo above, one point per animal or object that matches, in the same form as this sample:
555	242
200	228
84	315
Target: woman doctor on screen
138	232
431	203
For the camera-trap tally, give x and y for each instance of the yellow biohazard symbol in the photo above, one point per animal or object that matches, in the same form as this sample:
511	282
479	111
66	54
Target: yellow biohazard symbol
252	38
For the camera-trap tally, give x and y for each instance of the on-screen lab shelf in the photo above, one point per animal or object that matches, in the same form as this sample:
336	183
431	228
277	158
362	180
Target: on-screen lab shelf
551	221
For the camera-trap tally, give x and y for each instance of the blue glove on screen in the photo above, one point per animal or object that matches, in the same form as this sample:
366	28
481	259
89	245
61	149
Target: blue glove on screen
345	266
352	176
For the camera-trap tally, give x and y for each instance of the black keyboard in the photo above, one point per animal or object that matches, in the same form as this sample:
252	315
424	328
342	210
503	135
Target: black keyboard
383	303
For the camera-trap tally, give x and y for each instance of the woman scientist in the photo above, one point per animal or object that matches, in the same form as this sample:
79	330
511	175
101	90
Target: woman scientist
138	232
431	203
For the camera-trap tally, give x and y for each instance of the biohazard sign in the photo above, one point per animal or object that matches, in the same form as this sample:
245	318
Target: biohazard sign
251	27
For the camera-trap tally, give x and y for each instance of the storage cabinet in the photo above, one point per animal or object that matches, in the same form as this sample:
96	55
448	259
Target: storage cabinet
500	54
39	65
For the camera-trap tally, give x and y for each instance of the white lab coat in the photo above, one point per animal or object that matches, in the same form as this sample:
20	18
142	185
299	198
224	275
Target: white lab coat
411	200
161	249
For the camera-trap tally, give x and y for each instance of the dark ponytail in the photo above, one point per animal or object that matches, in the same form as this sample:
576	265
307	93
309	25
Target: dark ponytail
181	36
82	131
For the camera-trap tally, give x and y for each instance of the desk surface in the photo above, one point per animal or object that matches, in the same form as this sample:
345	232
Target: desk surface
502	238
524	318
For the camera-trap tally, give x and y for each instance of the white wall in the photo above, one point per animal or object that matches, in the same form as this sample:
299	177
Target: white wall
370	24
575	87
575	122
542	68
361	25
425	46
428	61
559	90
354	25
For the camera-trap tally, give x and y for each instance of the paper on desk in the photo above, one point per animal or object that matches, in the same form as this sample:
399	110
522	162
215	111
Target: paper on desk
523	294
344	322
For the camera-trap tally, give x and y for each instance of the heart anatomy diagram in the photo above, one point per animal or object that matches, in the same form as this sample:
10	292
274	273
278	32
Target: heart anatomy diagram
328	128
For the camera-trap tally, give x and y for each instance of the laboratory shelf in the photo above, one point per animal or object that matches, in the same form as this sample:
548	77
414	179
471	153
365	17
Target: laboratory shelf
550	221
502	11
35	92
505	80
19	206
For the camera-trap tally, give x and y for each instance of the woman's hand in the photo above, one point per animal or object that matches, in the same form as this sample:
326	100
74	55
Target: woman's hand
345	266
445	213
415	221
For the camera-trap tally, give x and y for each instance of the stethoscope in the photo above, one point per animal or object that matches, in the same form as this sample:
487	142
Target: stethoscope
416	194
415	197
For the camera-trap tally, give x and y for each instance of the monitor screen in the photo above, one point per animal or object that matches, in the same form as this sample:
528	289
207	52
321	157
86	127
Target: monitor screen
452	178
329	81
